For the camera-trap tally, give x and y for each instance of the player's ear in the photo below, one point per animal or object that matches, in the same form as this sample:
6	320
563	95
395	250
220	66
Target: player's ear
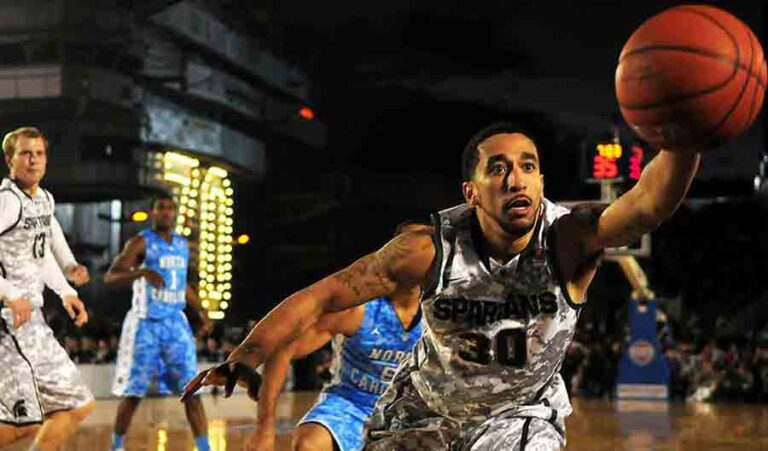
469	191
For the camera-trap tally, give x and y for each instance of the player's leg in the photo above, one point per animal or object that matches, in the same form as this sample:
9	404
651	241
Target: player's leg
11	434
20	411
179	367
517	434
58	426
314	437
137	358
65	399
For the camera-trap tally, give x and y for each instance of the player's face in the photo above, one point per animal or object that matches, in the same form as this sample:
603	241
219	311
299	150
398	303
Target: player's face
507	185
164	214
27	165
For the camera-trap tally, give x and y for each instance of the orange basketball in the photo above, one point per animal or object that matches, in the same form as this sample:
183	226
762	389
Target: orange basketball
692	76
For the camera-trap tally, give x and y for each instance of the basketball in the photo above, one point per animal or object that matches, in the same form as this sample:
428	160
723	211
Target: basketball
692	76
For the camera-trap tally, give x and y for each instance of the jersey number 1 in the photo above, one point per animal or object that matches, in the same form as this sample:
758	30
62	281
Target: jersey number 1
38	246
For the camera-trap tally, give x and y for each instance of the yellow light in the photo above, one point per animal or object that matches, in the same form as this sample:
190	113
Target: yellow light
243	238
228	248
211	268
183	210
176	178
210	278
226	183
192	203
205	302
220	268
228	267
217	171
181	159
228	201
203	273
193	193
195	172
185	191
211	248
227	230
229	212
228	221
211	257
191	213
180	219
229	191
203	283
227	286
195	183
139	216
162	438
203	294
179	229
187	231
216	315
223	304
227	295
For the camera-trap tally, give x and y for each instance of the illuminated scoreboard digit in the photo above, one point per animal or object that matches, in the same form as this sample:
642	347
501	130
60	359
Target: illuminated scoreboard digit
613	161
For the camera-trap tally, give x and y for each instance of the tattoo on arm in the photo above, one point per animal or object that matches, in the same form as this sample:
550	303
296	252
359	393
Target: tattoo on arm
372	272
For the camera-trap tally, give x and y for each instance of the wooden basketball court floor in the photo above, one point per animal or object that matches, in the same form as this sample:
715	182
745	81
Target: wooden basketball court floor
160	425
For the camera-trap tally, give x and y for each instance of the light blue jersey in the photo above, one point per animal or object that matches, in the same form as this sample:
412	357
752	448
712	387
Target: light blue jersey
156	339
170	260
363	366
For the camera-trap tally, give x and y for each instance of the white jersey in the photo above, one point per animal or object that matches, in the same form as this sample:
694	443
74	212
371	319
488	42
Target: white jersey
494	335
25	237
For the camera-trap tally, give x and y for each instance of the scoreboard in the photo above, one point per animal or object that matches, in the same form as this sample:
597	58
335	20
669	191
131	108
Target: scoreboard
614	161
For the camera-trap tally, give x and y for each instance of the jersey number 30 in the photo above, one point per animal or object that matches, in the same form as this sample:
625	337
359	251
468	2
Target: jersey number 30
508	346
38	246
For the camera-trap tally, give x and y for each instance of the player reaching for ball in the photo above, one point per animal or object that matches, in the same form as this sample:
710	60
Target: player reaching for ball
504	277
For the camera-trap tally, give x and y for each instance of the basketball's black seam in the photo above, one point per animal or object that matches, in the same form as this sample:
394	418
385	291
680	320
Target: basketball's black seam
736	64
694	50
739	97
752	111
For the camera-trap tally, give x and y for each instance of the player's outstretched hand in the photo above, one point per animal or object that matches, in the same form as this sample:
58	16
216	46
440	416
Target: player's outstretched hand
76	310
77	274
262	439
227	374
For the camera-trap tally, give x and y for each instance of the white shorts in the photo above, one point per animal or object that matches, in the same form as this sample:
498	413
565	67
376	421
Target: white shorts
37	378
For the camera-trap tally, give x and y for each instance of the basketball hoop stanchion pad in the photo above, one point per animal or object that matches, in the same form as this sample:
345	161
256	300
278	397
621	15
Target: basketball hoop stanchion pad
643	369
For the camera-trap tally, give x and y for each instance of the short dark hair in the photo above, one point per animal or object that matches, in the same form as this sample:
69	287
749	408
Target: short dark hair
471	155
160	196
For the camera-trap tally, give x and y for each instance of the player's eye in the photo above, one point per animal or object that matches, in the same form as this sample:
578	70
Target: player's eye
498	169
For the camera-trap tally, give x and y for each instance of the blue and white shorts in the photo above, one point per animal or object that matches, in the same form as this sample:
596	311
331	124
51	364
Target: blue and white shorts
164	347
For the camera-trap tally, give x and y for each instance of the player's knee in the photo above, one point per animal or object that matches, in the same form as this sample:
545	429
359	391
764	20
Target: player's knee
82	412
10	434
308	442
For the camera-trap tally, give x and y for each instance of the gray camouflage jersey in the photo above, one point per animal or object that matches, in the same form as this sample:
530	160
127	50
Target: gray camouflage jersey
23	245
494	335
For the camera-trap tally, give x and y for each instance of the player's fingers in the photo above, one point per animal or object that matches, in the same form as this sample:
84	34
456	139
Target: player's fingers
70	310
193	386
16	320
82	318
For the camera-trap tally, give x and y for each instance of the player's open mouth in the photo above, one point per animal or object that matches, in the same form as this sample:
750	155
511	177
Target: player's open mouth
518	205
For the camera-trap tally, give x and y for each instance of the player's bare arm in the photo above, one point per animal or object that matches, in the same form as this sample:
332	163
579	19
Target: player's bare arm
75	272
193	300
591	228
402	263
124	269
275	370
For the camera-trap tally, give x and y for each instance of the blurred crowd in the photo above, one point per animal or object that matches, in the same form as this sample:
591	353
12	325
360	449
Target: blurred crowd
725	369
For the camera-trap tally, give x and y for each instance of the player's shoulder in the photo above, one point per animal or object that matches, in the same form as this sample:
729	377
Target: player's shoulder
136	242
